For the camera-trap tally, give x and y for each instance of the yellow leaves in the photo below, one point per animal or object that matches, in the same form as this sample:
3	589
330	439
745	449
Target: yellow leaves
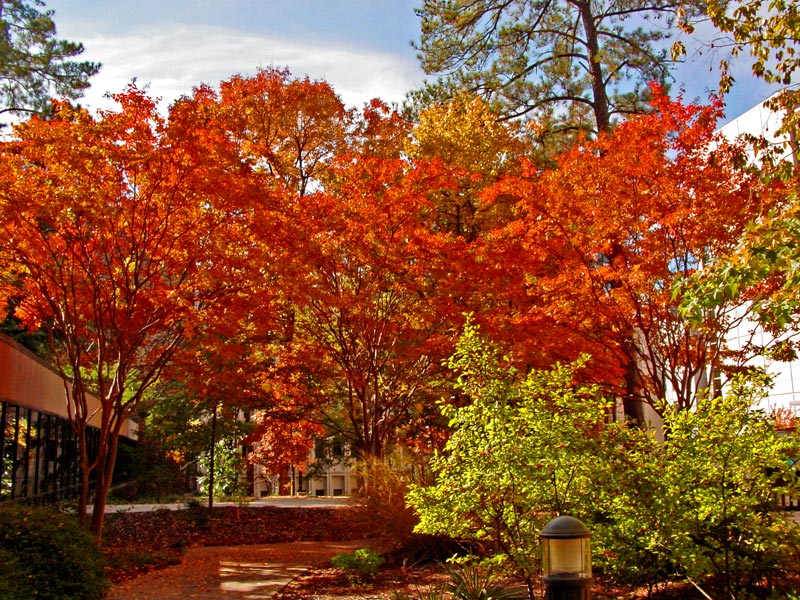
464	133
677	50
466	140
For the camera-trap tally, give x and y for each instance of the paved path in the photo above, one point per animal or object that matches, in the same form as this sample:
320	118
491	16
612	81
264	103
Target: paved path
231	572
282	501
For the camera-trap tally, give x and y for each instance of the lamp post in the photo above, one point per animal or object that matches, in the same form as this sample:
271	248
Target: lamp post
567	554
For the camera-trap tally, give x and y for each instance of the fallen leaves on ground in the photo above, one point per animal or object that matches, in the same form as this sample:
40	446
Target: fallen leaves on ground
332	584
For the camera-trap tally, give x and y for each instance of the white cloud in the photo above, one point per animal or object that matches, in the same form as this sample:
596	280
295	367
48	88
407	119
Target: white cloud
173	59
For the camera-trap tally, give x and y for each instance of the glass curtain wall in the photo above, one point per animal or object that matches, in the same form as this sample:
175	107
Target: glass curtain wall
39	460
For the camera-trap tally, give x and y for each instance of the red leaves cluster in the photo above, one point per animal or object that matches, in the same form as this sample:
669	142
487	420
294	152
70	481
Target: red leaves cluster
279	443
604	235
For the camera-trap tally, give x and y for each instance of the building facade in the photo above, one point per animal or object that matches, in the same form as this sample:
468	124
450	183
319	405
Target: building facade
761	121
328	472
39	459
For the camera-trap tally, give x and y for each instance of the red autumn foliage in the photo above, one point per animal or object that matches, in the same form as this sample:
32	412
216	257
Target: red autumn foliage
601	237
119	240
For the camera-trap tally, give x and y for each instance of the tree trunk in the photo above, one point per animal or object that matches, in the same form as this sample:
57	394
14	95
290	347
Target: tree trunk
85	470
599	96
211	458
632	401
106	460
78	416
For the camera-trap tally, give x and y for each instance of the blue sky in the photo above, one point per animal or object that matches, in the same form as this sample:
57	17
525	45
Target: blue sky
361	47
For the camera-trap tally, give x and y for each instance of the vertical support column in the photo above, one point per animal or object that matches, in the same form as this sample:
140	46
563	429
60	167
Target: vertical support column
3	412
63	459
15	454
49	451
38	458
26	473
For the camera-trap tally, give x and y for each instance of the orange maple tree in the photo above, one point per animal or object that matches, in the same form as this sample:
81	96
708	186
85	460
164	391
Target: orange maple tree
290	129
601	237
348	251
374	302
120	234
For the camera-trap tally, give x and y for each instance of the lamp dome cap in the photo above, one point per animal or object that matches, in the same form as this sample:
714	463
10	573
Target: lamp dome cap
565	527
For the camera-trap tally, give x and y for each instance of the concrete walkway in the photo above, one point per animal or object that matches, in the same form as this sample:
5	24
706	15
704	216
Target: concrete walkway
280	501
231	572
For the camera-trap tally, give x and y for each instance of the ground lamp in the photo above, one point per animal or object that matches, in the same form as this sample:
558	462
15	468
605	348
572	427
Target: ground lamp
567	557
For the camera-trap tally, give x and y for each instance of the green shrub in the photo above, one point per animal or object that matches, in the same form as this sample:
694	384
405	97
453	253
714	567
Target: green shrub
46	555
698	506
361	564
11	584
523	449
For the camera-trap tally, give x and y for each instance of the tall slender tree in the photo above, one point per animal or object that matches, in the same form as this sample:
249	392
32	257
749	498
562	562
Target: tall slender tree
568	64
34	64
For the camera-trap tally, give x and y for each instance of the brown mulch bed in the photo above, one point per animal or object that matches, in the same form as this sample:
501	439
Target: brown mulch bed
136	543
159	539
325	583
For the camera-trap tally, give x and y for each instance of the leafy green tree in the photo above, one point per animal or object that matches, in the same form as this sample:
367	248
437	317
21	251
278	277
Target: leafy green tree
699	505
723	467
570	64
230	467
34	64
178	420
763	269
763	272
523	450
189	429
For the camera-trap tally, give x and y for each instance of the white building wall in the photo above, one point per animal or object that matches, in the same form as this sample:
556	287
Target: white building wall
758	121
761	121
